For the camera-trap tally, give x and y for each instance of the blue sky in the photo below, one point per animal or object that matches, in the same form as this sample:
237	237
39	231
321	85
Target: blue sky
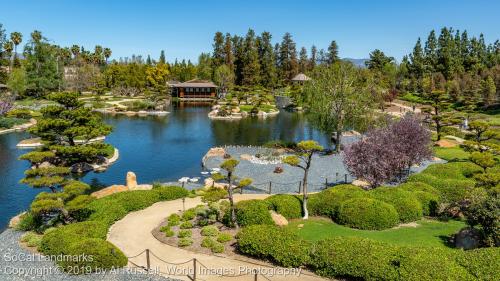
185	28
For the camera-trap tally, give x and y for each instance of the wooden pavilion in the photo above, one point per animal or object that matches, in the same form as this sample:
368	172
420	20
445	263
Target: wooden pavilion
195	89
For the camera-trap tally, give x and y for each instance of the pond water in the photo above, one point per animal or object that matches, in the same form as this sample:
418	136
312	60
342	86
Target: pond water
155	148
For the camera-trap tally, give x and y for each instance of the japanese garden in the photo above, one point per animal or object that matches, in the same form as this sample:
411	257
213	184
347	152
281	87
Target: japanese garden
260	160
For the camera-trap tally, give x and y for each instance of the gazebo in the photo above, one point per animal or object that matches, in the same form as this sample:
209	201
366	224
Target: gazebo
300	78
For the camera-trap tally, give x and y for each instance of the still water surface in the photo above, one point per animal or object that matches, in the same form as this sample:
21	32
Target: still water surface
155	148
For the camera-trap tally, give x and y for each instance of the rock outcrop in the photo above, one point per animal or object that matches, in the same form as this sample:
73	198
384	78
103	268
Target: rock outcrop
278	219
131	180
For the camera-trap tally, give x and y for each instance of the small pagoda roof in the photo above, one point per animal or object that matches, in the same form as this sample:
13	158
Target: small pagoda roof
195	83
300	77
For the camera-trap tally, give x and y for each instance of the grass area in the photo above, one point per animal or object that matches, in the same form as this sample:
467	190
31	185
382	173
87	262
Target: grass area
451	153
266	108
428	233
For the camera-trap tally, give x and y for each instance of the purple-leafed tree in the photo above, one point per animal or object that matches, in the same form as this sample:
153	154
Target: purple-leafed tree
5	106
383	154
412	139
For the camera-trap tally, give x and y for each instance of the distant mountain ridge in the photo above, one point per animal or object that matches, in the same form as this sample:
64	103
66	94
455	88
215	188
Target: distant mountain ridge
357	62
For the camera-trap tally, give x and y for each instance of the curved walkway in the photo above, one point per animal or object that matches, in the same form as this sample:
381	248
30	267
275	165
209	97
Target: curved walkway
133	235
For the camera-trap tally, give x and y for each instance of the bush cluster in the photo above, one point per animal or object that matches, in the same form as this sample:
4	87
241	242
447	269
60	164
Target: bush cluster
214	246
406	204
328	202
250	212
366	259
289	206
367	213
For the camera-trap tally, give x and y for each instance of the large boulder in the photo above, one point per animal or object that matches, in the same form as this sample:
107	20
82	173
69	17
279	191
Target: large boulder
467	238
81	167
131	180
278	219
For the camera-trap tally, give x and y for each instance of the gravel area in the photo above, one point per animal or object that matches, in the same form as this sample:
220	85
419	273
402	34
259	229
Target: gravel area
326	170
17	263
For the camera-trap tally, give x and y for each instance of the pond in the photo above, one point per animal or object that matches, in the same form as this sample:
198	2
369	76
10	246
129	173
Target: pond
155	148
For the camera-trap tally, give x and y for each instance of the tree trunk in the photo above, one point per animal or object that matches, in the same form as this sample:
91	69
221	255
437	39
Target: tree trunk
304	187
231	200
338	138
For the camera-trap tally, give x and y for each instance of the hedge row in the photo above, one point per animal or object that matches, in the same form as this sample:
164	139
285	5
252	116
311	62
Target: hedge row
89	237
366	259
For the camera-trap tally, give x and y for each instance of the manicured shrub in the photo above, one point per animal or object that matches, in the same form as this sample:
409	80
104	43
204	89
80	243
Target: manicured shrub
224	237
250	212
58	241
468	169
406	204
184	233
418	186
367	213
170	192
78	207
31	239
28	221
104	256
186	225
450	190
429	202
184	242
209	230
133	201
271	242
217	247
75	188
429	264
174	219
481	263
106	210
354	257
207	242
327	202
188	215
289	206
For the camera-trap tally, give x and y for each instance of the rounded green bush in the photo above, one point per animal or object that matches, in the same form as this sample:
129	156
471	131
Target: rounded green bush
289	206
367	213
58	241
78	207
429	202
328	202
174	219
75	188
188	215
170	192
207	242
418	186
281	245
450	190
209	230
101	255
217	247
354	257
224	237
186	225
250	212
406	203
169	233
184	242
481	263
184	233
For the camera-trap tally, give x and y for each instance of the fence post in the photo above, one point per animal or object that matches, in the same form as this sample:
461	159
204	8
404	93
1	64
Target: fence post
270	186
194	267
241	190
255	275
326	183
300	186
148	265
336	177
345	178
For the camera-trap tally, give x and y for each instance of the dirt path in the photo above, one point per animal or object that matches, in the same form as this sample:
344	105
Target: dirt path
133	235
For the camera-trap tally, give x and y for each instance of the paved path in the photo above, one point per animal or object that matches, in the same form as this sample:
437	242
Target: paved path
132	235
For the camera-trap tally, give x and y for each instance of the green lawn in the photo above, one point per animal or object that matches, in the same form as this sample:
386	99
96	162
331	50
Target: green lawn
429	233
451	153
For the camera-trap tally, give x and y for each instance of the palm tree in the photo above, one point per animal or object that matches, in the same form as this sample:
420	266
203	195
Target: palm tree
36	36
75	50
107	54
16	38
98	54
8	46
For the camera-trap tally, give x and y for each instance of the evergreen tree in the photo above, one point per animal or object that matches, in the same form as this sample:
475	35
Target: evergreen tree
333	53
228	52
237	43
218	57
303	60
267	60
250	60
378	60
417	60
288	65
447	62
41	65
430	52
488	90
162	57
204	67
314	57
148	60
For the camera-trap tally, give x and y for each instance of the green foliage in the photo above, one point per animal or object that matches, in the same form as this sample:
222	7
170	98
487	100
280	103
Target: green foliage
224	237
366	213
31	239
29	222
271	242
184	242
37	157
174	219
289	206
213	195
170	192
418	186
210	230
429	202
207	242
9	122
485	213
77	207
75	188
184	233
46	205
483	159
250	212
104	256
406	204
188	214
186	225
328	202
217	247
481	263
229	165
